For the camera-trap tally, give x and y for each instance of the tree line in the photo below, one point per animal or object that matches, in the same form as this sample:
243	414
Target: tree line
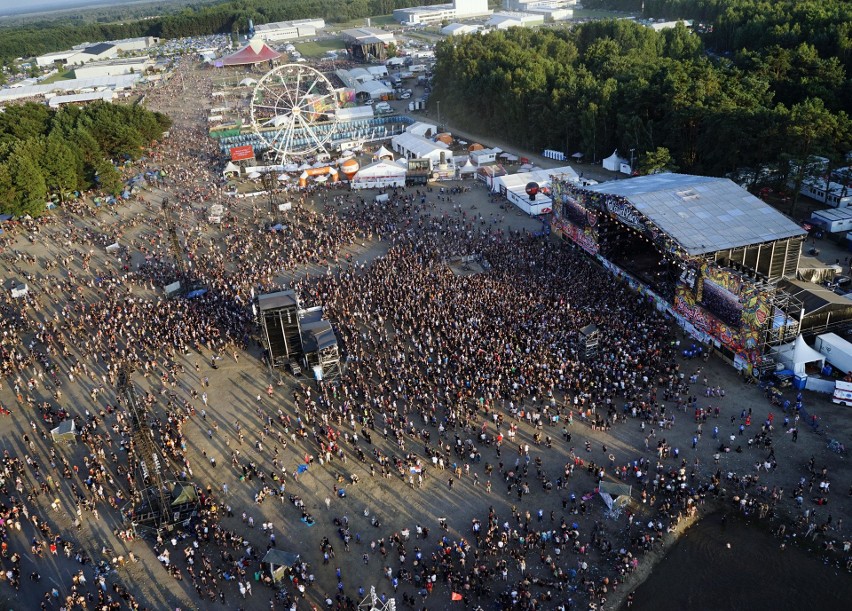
196	20
757	24
48	153
619	85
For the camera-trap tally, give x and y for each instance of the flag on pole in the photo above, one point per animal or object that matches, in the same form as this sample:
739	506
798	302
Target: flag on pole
456	596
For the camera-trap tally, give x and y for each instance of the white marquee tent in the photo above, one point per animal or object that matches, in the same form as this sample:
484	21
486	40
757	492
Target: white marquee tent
467	168
379	175
797	354
613	163
383	153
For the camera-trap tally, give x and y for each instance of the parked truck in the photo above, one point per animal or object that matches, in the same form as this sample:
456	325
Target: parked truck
837	351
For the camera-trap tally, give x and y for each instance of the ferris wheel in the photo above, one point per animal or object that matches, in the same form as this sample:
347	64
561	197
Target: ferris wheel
294	112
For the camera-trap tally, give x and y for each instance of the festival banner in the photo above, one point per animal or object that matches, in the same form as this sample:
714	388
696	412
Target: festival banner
241	153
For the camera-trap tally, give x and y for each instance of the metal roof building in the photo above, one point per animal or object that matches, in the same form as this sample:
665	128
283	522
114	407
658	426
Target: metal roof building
79	98
288	30
703	214
116	83
709	252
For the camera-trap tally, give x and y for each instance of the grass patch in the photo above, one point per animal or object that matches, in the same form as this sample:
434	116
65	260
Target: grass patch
66	75
318	48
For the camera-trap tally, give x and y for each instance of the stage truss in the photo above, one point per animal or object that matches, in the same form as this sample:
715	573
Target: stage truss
372	602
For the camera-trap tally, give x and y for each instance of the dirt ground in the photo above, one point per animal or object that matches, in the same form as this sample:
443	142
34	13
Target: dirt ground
234	390
238	391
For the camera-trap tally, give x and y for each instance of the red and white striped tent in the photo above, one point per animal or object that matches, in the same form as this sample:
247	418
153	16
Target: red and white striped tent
255	52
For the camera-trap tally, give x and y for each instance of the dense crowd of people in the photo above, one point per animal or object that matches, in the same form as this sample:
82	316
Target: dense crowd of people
456	385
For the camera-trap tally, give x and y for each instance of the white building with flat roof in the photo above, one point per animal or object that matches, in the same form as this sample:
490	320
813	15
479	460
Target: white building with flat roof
133	65
460	29
93	53
57	57
524	6
288	30
458	9
506	20
81	98
411	146
126	45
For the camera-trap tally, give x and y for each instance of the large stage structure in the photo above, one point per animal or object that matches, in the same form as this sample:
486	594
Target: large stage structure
158	503
293	335
704	249
279	319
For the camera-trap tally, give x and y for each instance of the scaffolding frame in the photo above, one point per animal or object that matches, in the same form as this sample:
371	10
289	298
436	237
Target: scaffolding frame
372	602
152	507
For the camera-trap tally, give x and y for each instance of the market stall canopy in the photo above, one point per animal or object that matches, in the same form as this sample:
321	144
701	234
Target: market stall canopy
277	562
383	153
255	52
231	168
468	168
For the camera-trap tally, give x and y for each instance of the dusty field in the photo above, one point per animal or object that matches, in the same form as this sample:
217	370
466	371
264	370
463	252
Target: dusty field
237	393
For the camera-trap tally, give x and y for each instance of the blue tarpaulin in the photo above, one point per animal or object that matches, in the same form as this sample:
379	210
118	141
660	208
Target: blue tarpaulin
196	293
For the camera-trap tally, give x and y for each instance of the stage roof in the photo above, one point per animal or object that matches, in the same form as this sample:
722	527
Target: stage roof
701	213
281	299
255	52
814	297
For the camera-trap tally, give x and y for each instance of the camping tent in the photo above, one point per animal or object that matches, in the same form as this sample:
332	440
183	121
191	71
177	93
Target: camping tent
797	354
66	432
613	162
277	562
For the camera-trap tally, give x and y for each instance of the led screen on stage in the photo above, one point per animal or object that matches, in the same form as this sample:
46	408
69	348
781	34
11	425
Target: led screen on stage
721	303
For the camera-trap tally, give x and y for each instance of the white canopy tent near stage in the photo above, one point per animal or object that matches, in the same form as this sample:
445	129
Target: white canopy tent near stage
796	355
